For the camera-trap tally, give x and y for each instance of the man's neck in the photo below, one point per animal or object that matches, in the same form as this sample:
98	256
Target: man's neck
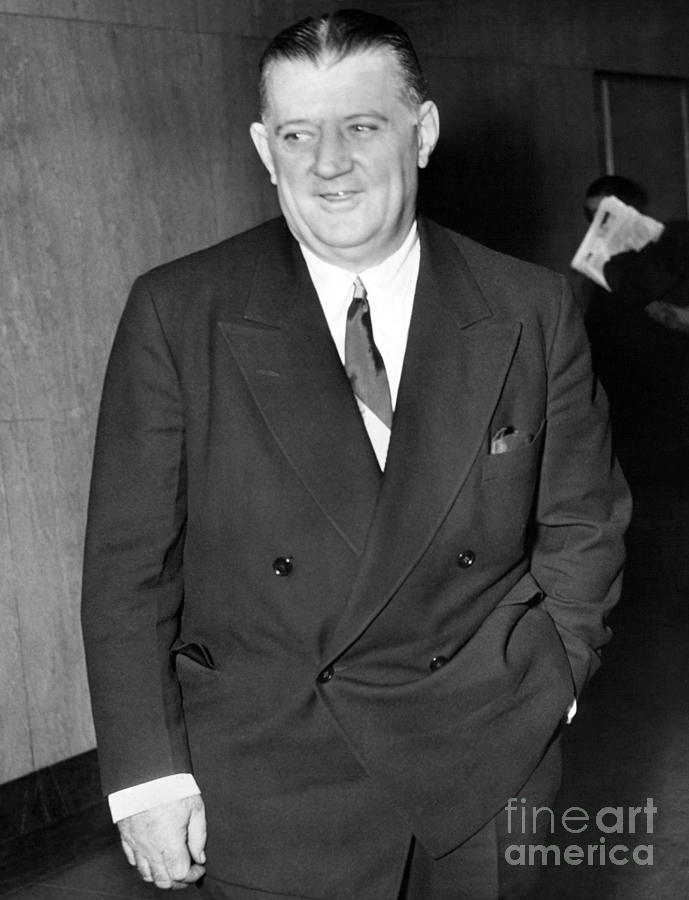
361	264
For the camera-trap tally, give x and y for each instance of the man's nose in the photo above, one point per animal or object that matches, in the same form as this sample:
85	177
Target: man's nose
333	156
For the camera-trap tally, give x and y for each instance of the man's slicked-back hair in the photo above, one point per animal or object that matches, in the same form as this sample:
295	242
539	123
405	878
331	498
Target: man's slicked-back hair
335	35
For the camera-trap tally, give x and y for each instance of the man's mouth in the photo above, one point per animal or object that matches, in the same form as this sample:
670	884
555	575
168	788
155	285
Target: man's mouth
337	196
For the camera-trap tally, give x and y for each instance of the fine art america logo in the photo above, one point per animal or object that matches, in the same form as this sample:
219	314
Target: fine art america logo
618	832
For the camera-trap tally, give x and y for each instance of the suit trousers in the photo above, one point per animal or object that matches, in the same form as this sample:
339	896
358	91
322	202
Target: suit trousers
476	870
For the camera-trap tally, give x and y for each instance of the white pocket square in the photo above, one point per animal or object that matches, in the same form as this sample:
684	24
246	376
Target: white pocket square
507	439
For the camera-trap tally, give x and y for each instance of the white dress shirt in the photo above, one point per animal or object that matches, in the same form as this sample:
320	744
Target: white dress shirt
390	288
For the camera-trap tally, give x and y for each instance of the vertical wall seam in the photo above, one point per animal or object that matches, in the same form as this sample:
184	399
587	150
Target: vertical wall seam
607	127
684	113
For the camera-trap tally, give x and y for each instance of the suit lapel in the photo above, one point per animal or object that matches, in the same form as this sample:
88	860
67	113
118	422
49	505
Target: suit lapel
456	361
287	356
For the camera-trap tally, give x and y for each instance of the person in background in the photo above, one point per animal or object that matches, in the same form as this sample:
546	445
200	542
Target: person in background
657	276
354	527
639	344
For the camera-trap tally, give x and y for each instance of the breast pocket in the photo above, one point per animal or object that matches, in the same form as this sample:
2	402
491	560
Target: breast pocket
513	462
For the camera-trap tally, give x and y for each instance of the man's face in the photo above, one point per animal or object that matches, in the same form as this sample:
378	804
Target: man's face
343	148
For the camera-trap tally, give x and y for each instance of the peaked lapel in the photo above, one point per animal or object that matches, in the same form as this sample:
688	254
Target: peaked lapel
285	351
456	361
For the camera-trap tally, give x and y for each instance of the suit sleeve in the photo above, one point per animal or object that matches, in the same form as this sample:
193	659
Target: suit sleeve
583	502
133	580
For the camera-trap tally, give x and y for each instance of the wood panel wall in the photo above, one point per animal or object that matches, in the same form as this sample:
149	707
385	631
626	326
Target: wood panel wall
123	135
124	128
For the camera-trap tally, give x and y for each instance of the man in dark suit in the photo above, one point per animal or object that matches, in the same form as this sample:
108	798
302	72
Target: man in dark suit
354	524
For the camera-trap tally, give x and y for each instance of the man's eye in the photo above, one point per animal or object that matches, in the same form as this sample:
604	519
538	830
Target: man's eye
296	137
363	128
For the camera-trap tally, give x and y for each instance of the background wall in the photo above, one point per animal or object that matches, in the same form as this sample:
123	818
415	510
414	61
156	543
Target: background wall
123	136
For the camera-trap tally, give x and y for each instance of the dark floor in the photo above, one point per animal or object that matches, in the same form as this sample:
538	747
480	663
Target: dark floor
629	742
78	859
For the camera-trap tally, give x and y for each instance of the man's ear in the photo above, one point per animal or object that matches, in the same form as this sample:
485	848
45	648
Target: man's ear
428	130
259	136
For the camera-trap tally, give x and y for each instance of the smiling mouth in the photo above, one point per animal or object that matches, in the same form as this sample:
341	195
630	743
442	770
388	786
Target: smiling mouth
337	196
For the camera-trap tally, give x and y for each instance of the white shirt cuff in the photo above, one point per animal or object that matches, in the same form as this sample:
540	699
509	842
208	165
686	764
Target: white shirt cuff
136	799
571	711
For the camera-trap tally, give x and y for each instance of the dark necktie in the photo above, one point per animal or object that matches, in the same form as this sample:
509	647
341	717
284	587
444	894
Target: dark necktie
363	362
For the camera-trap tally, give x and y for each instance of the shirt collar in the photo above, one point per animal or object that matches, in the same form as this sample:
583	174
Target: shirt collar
385	273
329	279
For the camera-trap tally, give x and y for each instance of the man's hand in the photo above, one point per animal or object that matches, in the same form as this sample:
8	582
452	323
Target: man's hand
669	315
166	843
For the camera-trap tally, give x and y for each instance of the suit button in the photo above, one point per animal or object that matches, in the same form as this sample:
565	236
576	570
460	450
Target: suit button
326	675
283	565
437	663
465	559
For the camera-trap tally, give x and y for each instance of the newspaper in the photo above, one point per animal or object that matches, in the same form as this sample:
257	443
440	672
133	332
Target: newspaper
616	228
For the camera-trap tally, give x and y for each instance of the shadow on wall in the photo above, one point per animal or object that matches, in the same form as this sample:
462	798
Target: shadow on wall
485	184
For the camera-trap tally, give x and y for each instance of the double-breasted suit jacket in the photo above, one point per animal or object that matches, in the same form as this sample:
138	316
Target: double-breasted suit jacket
343	657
